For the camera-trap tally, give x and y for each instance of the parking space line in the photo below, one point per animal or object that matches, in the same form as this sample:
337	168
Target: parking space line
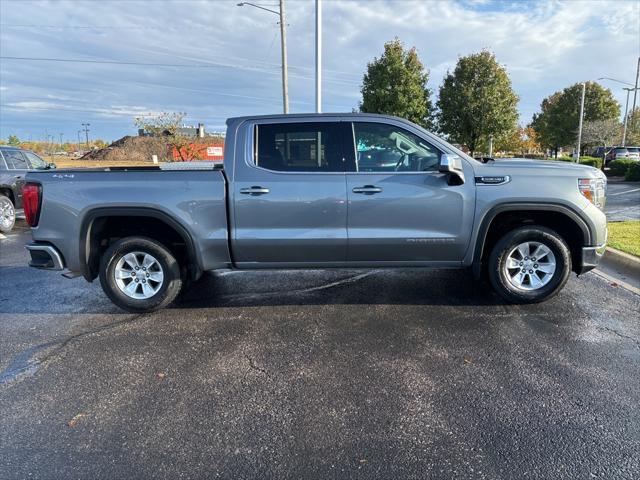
626	191
2	237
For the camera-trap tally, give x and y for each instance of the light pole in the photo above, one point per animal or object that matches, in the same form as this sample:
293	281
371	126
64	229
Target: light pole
318	56
626	106
635	89
283	48
626	116
61	139
79	139
584	88
86	132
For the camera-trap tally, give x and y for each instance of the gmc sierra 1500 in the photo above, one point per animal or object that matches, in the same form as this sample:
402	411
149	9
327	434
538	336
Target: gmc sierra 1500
320	191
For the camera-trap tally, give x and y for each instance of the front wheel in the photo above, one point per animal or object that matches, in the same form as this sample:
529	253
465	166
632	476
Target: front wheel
7	214
139	274
529	264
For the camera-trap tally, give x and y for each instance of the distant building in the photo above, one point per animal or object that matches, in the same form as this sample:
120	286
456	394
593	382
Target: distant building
188	131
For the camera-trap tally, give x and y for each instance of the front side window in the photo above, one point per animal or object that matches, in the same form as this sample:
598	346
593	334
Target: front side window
35	161
299	147
387	148
15	159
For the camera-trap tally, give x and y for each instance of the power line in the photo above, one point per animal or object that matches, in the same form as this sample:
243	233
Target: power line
113	62
208	64
81	27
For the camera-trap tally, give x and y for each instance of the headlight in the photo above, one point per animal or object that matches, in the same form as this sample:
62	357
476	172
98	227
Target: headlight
594	190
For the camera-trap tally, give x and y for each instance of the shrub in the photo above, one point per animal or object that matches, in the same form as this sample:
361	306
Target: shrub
563	159
618	168
633	172
591	161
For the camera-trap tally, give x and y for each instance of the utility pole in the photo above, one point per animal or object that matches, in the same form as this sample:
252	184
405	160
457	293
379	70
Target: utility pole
79	141
283	43
86	132
318	56
283	48
584	89
61	139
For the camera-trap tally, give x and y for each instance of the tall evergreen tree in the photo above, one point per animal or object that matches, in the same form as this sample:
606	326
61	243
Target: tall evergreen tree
396	84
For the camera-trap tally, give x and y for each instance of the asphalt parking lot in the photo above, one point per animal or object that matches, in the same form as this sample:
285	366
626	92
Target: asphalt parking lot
623	201
332	374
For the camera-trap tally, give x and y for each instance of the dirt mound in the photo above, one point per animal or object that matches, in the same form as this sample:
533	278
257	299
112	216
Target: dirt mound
134	149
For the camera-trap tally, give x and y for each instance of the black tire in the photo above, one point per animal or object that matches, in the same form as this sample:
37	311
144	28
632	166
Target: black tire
500	253
8	213
167	290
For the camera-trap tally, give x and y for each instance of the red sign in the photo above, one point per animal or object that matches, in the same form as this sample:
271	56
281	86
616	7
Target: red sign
199	151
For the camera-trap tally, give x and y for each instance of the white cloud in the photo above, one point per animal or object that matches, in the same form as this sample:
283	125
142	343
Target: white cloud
545	46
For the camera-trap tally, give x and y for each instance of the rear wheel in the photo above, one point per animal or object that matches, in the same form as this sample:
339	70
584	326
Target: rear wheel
7	214
140	274
529	264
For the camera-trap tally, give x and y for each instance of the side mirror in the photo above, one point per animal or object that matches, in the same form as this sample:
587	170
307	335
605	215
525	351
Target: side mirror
51	166
452	165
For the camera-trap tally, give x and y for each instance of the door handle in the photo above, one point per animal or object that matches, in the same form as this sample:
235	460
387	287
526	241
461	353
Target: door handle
367	189
18	177
255	190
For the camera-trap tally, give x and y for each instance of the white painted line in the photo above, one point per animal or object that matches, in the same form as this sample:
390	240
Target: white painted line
622	193
617	281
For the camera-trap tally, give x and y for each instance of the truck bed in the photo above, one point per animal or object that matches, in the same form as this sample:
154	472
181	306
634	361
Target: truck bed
193	200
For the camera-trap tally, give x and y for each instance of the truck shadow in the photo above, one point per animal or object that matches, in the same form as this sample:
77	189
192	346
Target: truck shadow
335	287
24	290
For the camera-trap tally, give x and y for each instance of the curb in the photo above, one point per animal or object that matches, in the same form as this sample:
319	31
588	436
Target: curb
621	268
619	259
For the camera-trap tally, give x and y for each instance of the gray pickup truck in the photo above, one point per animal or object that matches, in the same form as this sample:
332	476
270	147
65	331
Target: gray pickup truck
319	191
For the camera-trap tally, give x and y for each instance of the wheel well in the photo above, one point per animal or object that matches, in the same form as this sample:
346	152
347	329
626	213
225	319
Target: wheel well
102	231
562	224
7	192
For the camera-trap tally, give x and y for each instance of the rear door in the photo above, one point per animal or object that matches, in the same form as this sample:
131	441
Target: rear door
17	170
289	196
401	209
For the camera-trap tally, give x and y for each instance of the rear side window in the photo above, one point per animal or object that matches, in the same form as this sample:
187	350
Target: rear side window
299	147
15	159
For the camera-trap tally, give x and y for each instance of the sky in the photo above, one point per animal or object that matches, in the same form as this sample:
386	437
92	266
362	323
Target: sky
213	59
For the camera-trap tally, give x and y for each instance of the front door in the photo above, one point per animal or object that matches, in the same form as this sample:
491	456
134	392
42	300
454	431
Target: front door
401	209
289	197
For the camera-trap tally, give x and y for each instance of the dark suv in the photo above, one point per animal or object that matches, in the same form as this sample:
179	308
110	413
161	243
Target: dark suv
14	163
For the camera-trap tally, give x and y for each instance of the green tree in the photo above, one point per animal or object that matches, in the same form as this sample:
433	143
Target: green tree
557	122
476	101
13	140
396	84
633	127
